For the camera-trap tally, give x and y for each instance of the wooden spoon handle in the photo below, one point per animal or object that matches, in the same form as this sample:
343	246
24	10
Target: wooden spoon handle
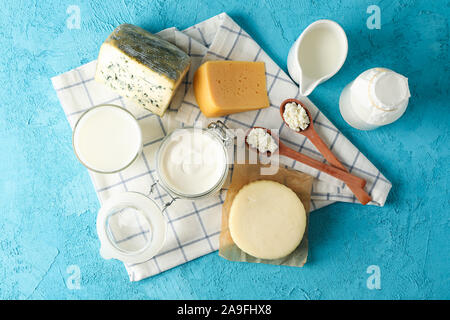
342	175
317	141
360	194
358	191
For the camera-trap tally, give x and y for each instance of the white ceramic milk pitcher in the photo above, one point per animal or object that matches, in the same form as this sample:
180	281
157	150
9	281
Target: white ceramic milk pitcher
317	54
377	97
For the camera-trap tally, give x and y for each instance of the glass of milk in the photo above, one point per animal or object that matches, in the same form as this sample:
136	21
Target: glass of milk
107	139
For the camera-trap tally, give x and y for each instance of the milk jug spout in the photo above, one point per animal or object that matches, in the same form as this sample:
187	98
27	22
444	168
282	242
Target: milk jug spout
307	85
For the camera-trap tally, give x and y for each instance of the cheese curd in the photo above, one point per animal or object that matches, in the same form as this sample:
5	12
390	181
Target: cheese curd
295	116
259	138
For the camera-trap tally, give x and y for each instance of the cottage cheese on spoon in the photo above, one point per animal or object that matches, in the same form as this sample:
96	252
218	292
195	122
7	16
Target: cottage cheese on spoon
295	116
259	138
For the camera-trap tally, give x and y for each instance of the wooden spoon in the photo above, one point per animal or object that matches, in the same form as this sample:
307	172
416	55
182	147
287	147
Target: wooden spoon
312	135
316	164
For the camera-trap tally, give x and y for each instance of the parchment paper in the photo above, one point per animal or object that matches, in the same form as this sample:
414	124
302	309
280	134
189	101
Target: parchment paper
243	174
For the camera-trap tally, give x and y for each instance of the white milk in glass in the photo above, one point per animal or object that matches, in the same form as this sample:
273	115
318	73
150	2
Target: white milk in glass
107	139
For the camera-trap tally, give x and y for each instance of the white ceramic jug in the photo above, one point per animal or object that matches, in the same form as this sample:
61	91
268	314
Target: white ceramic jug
317	54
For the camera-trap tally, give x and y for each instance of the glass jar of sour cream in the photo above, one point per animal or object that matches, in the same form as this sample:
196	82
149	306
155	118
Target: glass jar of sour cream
192	163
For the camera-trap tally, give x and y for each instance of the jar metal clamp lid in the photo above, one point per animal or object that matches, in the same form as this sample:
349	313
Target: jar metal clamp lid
131	228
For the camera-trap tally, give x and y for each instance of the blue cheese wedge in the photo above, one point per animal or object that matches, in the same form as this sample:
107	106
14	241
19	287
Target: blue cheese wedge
142	67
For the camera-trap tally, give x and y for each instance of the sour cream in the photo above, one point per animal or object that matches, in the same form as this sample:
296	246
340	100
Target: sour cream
191	161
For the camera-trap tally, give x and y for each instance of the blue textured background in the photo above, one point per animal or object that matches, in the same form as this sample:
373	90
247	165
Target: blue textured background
48	205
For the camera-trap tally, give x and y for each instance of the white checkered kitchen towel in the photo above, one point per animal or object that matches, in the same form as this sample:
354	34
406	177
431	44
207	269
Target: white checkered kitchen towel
194	226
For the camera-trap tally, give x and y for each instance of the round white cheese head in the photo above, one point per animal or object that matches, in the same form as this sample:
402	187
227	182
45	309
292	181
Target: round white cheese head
267	220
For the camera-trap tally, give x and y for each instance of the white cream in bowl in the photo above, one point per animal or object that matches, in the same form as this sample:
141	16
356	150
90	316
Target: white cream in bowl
192	162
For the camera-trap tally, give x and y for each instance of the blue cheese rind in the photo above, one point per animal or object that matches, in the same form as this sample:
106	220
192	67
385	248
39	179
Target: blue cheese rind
142	67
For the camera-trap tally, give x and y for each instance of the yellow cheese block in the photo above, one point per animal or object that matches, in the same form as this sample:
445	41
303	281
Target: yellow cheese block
226	87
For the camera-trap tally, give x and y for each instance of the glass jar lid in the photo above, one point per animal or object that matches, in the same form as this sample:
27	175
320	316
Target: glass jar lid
131	228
